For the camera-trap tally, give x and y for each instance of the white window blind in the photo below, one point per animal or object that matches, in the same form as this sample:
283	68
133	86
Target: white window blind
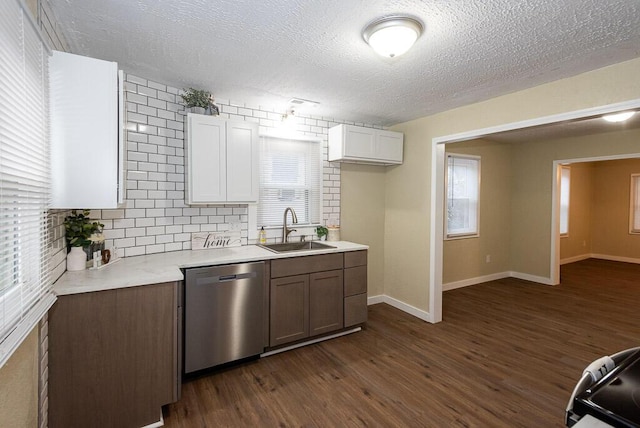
565	192
24	176
463	196
290	176
634	214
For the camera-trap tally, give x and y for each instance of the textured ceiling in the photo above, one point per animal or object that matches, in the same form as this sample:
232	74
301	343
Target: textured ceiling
571	128
264	52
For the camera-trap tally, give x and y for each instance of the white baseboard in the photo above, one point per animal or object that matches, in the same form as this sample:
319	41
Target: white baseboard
494	276
532	278
373	300
616	258
404	307
473	281
575	259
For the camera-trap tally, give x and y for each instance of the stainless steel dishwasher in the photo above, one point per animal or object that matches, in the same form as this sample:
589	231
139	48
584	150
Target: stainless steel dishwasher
224	314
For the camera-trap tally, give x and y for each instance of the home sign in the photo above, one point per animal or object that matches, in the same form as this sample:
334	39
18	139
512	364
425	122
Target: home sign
208	240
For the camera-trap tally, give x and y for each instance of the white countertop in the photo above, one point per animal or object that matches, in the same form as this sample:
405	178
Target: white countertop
165	267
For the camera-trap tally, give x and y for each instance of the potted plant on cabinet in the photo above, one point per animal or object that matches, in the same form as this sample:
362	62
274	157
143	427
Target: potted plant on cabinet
80	233
199	101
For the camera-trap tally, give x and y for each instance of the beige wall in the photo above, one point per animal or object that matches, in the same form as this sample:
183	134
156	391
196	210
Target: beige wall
19	391
578	242
533	167
362	219
466	258
610	221
407	235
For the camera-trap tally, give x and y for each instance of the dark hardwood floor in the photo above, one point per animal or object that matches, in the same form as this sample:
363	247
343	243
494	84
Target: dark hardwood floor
508	353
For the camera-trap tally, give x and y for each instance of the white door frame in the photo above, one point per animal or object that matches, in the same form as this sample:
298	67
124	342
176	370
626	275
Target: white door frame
437	192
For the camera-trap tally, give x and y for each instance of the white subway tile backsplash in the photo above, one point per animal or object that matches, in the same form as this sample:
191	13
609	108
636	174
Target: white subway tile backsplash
156	219
110	214
123	223
145	222
134	251
174	229
135	98
155	230
145	90
135	232
136	117
176	246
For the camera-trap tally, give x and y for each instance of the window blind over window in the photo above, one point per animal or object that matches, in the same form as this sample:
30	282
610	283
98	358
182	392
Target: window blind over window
463	195
24	177
290	176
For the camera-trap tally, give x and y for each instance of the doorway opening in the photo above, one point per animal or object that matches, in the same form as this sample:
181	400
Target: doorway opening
437	189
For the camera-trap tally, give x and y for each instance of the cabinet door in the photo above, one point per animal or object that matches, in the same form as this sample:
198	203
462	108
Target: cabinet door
242	162
84	132
389	146
325	302
359	142
355	310
113	356
206	159
355	280
289	312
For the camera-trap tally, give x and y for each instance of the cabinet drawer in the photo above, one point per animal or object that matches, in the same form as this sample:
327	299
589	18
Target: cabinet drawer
355	280
307	264
355	309
355	258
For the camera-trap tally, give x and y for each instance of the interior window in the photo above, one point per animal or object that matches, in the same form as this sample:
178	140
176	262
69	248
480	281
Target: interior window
634	213
565	190
463	196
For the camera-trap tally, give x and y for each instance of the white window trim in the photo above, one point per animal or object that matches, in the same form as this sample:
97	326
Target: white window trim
562	169
634	203
455	236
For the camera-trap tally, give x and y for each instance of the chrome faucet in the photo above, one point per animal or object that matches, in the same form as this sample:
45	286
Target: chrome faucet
285	230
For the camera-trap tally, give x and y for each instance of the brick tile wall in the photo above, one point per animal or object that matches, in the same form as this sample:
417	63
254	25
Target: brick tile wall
155	217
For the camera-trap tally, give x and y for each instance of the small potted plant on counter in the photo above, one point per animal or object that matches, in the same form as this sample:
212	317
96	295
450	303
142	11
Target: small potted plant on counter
199	101
321	231
80	232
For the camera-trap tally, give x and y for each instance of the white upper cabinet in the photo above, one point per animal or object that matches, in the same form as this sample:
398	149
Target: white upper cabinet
87	144
355	144
221	160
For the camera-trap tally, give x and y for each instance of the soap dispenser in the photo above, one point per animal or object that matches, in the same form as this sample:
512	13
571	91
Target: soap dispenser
262	235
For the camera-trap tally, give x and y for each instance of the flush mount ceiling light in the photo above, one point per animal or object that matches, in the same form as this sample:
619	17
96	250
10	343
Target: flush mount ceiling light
392	36
618	117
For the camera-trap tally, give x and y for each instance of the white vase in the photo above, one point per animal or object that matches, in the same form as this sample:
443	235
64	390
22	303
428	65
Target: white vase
76	259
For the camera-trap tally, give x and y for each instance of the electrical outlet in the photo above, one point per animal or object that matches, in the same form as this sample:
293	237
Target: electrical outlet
488	258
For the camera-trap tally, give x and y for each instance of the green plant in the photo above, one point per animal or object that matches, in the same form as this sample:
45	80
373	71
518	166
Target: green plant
321	231
199	98
78	228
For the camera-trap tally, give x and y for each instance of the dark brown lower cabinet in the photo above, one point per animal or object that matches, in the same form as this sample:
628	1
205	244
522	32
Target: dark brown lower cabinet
113	356
289	312
306	297
355	288
325	302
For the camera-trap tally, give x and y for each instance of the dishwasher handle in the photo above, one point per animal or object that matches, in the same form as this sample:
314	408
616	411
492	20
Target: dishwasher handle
217	279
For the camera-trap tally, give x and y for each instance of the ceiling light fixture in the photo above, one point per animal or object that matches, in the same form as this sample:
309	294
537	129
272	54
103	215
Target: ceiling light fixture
392	36
618	117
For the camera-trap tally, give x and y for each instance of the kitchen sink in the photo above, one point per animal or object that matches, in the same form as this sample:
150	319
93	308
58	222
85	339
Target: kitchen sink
296	246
